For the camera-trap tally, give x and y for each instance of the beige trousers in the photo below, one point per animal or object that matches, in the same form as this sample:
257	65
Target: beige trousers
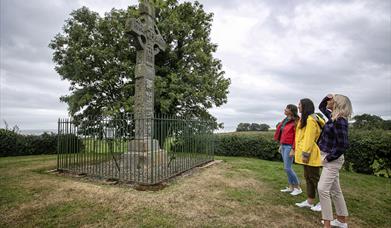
329	189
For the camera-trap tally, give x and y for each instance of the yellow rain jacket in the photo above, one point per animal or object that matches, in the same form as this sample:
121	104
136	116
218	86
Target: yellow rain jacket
306	141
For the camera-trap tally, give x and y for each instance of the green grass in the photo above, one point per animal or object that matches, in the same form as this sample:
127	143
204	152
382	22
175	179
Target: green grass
368	197
237	192
117	145
102	146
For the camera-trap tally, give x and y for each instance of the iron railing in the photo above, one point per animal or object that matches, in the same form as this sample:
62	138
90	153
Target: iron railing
120	149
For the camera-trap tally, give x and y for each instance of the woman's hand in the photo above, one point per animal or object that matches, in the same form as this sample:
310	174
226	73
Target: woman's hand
324	160
292	153
305	157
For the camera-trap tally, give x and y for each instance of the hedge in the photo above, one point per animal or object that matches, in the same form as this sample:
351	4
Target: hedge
369	151
247	145
14	144
70	143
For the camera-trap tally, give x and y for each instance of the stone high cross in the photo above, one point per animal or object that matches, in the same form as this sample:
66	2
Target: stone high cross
149	43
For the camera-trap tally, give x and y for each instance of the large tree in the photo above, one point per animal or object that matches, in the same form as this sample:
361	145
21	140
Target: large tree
243	127
368	122
95	55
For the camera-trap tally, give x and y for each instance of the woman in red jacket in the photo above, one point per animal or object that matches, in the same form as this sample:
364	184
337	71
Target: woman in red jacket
285	135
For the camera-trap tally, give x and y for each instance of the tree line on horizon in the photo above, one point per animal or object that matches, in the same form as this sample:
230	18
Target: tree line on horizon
252	127
362	122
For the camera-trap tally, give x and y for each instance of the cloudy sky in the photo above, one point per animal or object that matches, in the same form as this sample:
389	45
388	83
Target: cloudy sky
275	52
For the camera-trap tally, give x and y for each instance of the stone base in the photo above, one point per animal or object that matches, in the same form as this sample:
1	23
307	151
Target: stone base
143	145
146	155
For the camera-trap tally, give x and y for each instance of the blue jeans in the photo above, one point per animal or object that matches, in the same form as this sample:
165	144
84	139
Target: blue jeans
292	177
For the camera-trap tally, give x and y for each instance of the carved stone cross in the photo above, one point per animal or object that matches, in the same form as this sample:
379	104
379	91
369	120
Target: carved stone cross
149	43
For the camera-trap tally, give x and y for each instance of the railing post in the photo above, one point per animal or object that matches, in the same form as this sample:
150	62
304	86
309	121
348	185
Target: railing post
58	144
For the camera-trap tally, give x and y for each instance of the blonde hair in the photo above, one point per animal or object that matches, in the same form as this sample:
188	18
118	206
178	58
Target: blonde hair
342	107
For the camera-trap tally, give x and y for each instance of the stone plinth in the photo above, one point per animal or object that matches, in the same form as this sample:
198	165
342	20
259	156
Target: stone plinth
143	145
146	157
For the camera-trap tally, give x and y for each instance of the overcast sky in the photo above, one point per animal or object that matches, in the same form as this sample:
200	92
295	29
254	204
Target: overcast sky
275	52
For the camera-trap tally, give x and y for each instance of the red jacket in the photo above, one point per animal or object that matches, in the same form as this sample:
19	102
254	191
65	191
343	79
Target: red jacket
287	134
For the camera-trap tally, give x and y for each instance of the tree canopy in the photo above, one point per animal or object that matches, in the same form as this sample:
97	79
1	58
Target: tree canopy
252	127
95	55
370	122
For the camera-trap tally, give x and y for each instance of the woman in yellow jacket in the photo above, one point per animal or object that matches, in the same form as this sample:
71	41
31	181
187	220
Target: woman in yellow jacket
307	151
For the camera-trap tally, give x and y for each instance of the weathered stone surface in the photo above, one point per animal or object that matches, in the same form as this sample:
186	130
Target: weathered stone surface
148	45
142	70
144	145
144	151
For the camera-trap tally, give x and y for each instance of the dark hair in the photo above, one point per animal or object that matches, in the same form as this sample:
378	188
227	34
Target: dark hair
307	108
293	109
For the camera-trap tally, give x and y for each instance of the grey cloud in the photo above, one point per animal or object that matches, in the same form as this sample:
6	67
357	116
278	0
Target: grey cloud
31	88
231	122
213	4
40	75
370	34
21	97
31	118
247	102
362	71
30	95
28	27
371	41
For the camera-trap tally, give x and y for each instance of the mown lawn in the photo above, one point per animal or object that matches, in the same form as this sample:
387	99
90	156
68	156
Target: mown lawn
237	192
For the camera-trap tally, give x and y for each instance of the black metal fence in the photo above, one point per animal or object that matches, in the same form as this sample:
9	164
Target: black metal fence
144	151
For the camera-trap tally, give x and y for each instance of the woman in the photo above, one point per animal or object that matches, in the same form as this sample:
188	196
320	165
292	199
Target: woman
333	143
285	135
307	151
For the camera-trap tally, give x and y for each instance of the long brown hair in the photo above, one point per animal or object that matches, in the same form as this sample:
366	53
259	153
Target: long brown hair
308	108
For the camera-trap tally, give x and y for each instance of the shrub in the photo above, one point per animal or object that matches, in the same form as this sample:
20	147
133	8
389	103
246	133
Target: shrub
10	143
14	144
247	145
70	143
369	152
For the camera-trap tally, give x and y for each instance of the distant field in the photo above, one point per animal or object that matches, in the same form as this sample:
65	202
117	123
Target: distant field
239	192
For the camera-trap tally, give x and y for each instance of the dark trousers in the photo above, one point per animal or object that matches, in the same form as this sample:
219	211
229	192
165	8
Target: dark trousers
312	175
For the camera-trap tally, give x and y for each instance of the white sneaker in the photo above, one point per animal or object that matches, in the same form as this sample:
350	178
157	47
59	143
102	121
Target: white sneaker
337	223
317	207
287	189
304	204
296	191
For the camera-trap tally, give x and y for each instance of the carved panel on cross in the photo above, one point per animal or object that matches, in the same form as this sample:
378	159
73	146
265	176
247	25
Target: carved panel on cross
149	90
140	57
150	55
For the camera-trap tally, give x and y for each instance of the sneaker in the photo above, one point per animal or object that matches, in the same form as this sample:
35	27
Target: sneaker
296	191
304	204
337	223
287	189
317	207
